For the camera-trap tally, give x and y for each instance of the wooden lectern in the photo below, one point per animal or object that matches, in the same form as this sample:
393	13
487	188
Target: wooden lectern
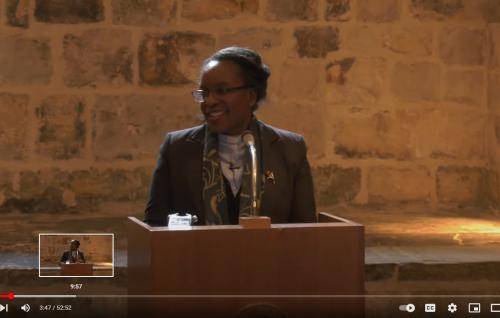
76	269
287	270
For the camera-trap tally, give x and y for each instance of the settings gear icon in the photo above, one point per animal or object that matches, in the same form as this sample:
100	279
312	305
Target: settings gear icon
452	307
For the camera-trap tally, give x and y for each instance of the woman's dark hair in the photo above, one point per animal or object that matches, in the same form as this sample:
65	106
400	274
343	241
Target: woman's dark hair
254	71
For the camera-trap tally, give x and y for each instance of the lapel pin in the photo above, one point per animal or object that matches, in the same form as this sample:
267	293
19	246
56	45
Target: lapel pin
269	175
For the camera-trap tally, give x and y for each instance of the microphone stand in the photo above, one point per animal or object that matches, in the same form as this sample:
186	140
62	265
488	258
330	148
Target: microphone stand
254	220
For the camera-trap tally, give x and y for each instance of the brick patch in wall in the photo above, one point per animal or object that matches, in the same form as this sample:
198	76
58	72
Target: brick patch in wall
417	81
144	13
494	92
494	54
14	114
355	82
446	134
173	58
316	42
97	57
199	11
301	80
464	87
379	11
289	10
255	38
436	8
25	60
398	185
383	136
305	121
133	127
6	187
463	46
16	12
61	130
466	186
334	184
69	11
338	10
54	190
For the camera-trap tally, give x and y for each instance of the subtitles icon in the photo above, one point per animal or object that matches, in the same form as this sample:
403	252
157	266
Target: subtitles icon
430	307
408	307
474	308
6	308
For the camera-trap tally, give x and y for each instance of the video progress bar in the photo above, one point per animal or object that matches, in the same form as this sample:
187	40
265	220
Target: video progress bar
256	296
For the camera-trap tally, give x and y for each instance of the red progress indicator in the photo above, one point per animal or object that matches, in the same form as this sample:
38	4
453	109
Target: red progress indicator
8	296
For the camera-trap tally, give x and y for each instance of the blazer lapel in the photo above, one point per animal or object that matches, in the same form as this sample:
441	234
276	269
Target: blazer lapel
194	171
268	163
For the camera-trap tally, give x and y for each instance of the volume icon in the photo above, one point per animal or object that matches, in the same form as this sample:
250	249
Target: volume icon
25	307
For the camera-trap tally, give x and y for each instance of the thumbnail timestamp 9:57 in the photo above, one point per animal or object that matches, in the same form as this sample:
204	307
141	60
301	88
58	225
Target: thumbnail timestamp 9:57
55	307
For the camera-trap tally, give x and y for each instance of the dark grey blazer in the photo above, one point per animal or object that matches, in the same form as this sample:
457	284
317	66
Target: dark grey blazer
177	180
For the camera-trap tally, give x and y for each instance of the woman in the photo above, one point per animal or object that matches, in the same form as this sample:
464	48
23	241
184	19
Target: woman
204	170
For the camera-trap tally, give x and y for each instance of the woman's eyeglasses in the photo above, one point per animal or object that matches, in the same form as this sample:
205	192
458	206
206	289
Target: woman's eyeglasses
200	95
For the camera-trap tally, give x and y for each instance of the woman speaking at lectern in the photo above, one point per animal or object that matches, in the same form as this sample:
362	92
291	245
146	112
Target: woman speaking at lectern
205	170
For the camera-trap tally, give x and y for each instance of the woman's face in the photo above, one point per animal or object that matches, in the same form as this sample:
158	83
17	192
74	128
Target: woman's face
228	113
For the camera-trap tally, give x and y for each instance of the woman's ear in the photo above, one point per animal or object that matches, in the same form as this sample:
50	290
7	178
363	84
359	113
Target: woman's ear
252	93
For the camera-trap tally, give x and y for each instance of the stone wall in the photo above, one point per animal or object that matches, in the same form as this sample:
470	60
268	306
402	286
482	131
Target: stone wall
399	100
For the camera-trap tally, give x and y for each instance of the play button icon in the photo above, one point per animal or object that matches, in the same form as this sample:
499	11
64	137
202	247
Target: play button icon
2	308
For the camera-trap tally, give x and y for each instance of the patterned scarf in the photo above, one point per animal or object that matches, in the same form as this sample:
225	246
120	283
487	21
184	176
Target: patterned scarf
214	192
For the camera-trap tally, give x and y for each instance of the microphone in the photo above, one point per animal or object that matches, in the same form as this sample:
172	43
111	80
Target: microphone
249	141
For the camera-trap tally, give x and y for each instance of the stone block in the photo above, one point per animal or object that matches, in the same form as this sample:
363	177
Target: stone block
69	11
198	11
95	186
398	185
314	42
133	127
338	10
96	57
466	186
437	9
494	92
486	11
494	56
416	81
39	191
409	41
462	46
255	38
480	271
61	132
25	60
356	82
449	134
334	184
381	135
6	189
311	124
464	87
491	10
14	114
375	272
301	80
289	10
47	190
17	13
144	12
379	11
173	58
361	40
